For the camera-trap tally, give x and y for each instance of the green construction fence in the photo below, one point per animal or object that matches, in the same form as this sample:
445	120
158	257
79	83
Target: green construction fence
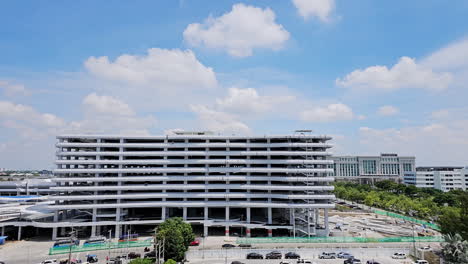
103	246
260	240
407	218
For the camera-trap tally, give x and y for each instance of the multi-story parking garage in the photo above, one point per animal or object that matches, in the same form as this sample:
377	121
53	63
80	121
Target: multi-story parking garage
248	185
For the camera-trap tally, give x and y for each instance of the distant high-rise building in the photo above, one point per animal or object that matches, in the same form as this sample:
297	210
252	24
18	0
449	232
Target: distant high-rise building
368	169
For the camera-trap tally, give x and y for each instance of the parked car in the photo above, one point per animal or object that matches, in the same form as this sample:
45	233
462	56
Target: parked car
92	258
228	246
327	255
352	261
421	261
372	262
237	262
134	255
151	254
285	262
274	255
399	255
426	248
195	243
49	261
292	255
305	261
345	255
245	245
254	255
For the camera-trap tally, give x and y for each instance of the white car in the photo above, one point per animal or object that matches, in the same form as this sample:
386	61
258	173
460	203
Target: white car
421	261
426	248
305	261
399	255
285	262
49	261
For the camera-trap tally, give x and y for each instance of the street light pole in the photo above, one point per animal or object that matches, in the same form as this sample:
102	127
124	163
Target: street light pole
110	237
72	238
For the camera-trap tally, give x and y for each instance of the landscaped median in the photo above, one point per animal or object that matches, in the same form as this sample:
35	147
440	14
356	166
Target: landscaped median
265	240
103	246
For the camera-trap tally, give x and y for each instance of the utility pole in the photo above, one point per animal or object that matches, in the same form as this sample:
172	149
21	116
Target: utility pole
72	238
110	237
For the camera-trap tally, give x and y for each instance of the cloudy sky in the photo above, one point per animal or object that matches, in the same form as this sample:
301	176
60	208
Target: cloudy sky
379	76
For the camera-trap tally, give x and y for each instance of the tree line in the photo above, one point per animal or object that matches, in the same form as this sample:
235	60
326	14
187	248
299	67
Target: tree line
448	209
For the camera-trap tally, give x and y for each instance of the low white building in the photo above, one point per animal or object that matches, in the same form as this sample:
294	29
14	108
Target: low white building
368	169
442	178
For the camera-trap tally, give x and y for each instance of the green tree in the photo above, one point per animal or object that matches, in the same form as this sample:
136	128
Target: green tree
170	261
141	261
455	220
177	236
455	249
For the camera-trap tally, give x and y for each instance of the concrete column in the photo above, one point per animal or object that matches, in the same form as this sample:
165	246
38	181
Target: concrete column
19	232
93	227
117	231
205	213
54	233
226	231
98	230
205	230
184	213
163	213
325	219
270	216
117	219
248	215
3	230
317	217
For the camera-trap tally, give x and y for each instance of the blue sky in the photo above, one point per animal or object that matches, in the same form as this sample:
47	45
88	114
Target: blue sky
380	76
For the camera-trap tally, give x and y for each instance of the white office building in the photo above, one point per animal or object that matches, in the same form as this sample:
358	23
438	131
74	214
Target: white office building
368	169
442	178
259	185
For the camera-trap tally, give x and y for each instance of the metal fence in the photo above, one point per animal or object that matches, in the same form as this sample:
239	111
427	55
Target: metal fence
263	240
103	246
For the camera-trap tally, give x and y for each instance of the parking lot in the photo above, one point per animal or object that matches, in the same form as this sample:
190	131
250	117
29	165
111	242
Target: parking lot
34	252
383	260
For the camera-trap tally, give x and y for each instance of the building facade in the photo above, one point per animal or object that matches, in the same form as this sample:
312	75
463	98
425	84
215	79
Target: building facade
442	178
265	185
368	169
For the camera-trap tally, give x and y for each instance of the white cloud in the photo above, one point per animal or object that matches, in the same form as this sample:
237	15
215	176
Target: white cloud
218	121
239	32
106	105
452	57
329	113
321	9
388	110
106	114
13	89
405	74
28	115
421	141
161	69
249	101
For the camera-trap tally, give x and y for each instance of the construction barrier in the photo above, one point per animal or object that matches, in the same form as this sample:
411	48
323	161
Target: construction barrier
103	246
260	240
407	218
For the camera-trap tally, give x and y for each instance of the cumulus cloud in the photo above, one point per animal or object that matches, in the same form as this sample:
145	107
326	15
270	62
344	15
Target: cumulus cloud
106	105
329	113
26	114
106	114
405	74
13	89
239	31
321	9
452	57
161	69
219	121
249	101
388	110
